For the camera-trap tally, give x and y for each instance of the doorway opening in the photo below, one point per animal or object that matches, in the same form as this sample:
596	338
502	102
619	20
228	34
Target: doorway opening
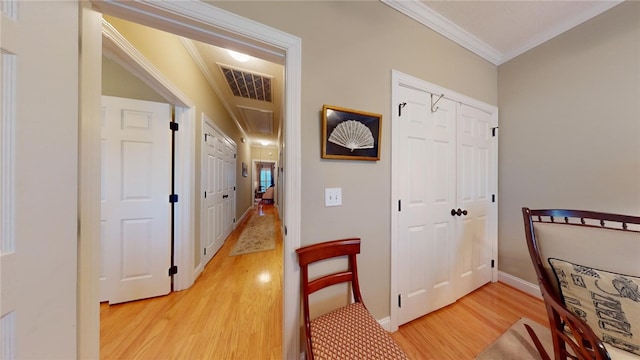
212	26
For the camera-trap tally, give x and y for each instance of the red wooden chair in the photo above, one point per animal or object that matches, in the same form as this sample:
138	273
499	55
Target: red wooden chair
349	332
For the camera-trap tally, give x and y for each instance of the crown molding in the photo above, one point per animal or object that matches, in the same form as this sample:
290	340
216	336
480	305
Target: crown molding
567	25
433	20
438	23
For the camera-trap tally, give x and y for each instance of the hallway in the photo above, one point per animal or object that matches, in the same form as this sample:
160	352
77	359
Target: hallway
233	311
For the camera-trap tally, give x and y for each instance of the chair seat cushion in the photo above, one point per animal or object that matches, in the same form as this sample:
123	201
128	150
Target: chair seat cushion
608	302
352	333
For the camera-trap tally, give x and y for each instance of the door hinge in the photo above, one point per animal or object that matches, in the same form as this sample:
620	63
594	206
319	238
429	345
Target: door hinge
173	126
493	263
235	156
493	131
205	194
234	188
285	231
493	198
399	300
399	205
234	220
400	106
173	198
205	137
173	270
205	251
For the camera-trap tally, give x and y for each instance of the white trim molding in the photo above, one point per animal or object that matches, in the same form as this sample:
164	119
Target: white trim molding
7	152
555	31
522	285
445	27
418	11
185	184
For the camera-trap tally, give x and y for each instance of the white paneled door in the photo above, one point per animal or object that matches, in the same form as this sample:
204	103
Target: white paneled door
218	181
135	210
475	172
443	179
428	191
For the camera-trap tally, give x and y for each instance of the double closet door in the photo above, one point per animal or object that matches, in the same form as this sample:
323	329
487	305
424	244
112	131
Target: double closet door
219	189
445	233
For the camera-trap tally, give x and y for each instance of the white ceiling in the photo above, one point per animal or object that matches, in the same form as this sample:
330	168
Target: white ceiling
501	30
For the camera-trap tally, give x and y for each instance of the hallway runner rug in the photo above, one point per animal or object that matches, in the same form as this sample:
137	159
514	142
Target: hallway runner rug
257	235
515	343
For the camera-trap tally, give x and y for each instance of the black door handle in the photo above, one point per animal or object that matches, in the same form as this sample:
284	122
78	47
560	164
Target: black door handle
225	196
458	212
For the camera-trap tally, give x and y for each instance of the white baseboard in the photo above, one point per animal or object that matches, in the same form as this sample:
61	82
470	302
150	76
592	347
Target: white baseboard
246	213
385	323
522	285
197	271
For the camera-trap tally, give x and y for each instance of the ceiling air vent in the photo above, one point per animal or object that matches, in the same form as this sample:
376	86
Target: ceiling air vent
248	85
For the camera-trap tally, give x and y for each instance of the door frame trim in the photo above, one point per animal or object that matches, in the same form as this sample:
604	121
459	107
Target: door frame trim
207	23
402	79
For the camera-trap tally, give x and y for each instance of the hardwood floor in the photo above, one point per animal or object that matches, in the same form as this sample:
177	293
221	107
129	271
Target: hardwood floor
462	330
234	311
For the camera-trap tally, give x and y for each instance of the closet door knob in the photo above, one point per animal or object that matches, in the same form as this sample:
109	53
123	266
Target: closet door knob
458	212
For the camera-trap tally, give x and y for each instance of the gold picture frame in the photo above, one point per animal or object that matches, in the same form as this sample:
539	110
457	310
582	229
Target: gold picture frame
349	134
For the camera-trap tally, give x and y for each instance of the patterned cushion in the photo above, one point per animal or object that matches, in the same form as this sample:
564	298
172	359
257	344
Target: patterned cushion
608	302
352	333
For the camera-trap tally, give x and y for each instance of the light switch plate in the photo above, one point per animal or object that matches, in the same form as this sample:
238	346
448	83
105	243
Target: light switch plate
332	197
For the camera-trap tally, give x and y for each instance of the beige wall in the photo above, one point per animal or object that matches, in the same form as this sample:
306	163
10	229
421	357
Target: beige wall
348	51
570	127
168	55
117	81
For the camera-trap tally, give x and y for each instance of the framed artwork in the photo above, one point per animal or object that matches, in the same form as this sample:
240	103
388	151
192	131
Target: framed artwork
350	134
245	173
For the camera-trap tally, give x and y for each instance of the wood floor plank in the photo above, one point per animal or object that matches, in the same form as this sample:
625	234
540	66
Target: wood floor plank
233	312
462	330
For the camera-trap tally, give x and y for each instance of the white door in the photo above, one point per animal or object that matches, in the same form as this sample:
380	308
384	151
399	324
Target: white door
229	195
473	196
427	192
38	179
443	184
135	210
219	167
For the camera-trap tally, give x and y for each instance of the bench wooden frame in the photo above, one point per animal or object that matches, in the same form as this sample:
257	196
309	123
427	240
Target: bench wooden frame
353	323
583	343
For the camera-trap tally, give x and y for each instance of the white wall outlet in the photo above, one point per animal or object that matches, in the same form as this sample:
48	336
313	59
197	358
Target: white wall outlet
332	197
